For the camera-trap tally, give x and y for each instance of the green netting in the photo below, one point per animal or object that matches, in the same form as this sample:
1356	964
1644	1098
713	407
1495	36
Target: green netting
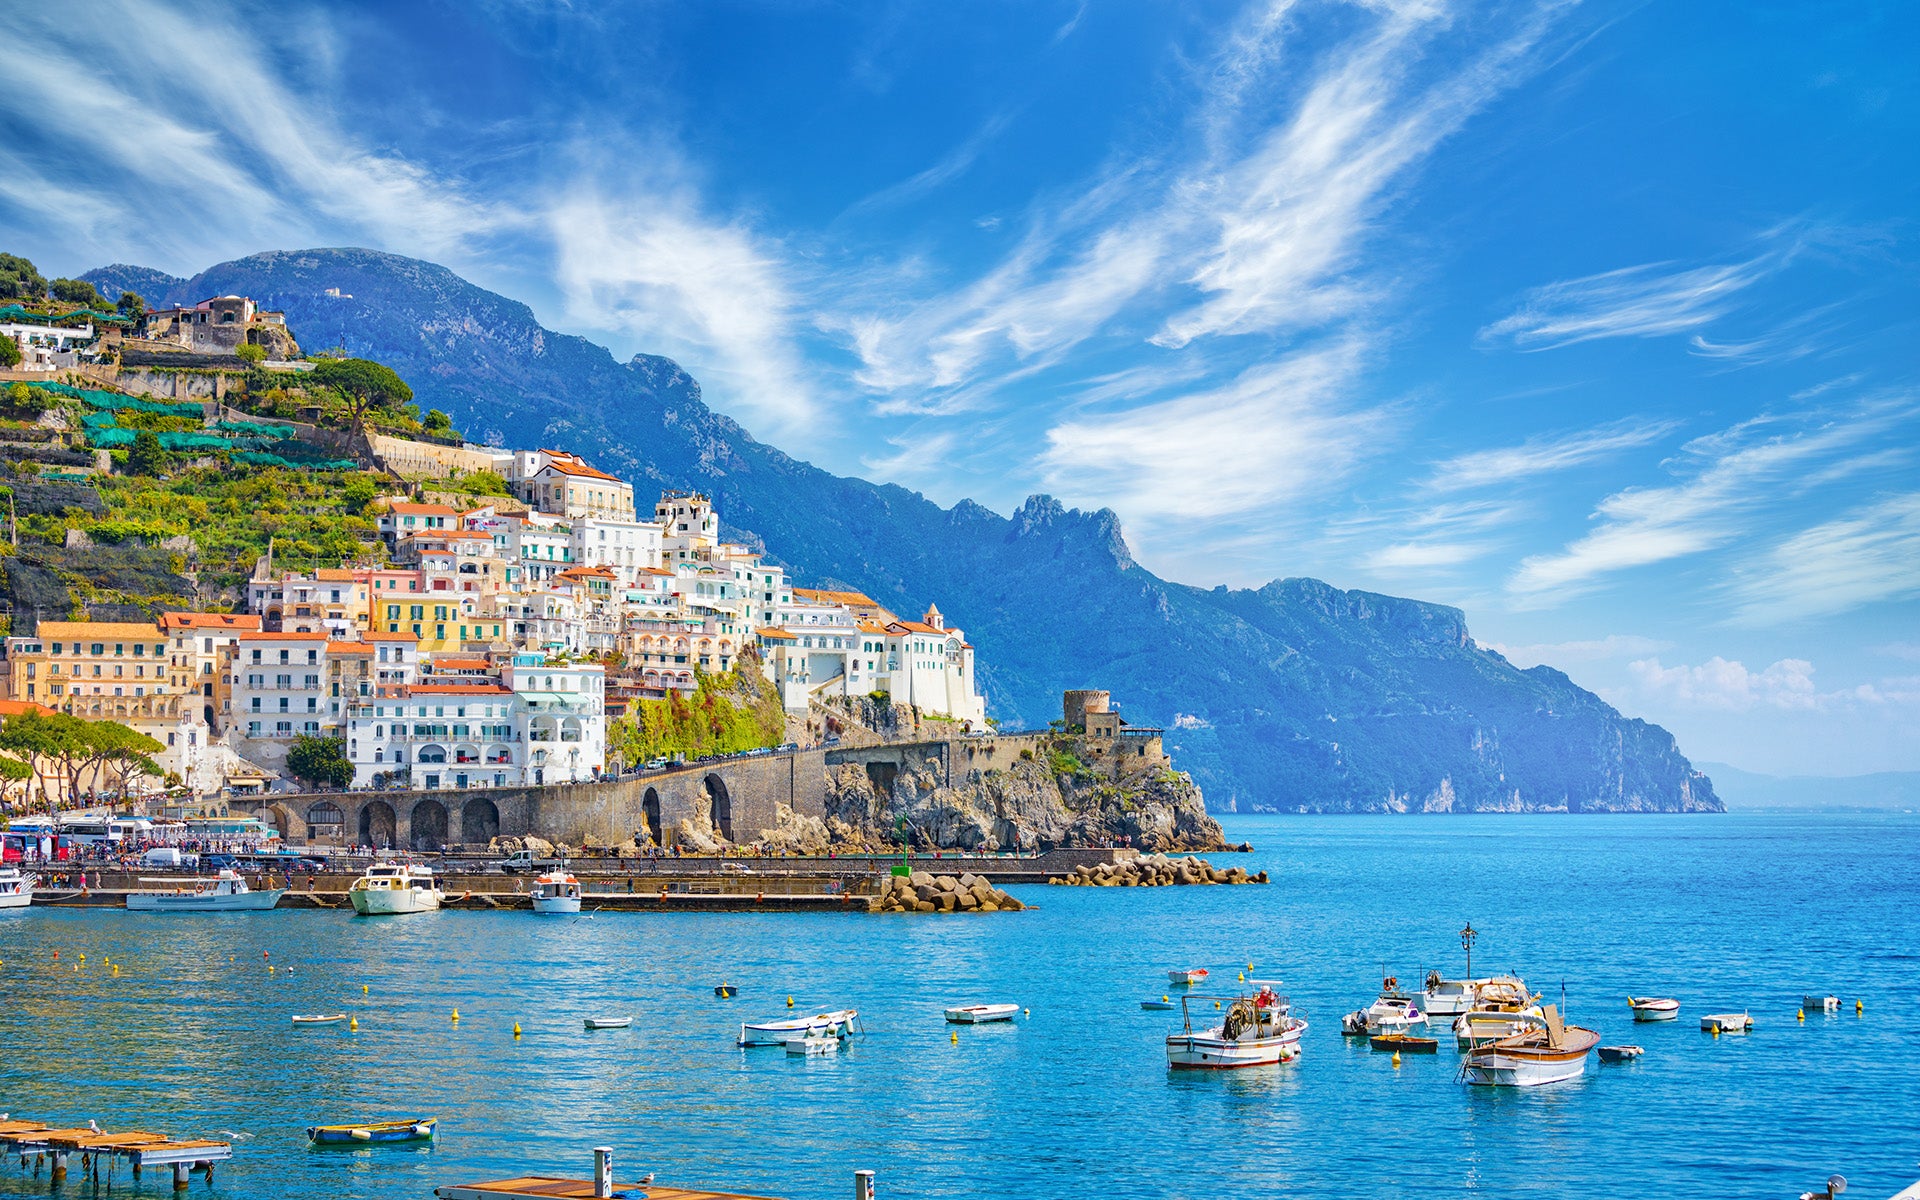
295	456
175	441
13	312
115	402
97	420
256	428
58	389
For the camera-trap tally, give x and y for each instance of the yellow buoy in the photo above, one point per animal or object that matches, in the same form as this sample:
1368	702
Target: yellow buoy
955	1037
789	1001
353	1022
1216	1004
270	968
1802	1014
1164	1000
1716	1031
116	968
363	989
1243	977
456	1014
516	1029
1396	1058
1859	1006
1026	1012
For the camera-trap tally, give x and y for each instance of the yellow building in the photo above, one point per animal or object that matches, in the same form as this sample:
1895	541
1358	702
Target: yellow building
442	622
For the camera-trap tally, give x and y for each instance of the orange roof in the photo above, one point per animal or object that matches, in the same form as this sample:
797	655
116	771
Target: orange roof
852	599
407	508
583	572
778	635
350	648
393	637
334	575
452	535
916	627
573	466
206	620
255	635
656	571
16	708
870	627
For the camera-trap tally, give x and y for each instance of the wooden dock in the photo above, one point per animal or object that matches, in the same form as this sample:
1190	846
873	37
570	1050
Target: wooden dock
54	1149
547	1187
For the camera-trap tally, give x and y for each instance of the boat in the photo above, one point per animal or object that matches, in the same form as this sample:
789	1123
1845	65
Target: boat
1404	1043
982	1014
1621	1053
390	888
226	892
417	1129
319	1019
16	887
609	1022
821	1044
1191	975
1653	1008
838	1023
1157	1005
1393	1012
1255	1031
1549	1054
725	990
1504	1010
1726	1023
556	892
1823	1003
1445	999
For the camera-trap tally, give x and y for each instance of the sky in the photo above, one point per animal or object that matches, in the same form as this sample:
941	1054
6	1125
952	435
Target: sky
1600	321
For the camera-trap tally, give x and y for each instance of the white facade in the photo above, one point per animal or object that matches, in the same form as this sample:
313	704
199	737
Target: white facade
561	711
279	685
627	547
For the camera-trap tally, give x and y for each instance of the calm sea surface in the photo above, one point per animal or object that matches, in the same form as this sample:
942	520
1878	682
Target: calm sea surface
1733	912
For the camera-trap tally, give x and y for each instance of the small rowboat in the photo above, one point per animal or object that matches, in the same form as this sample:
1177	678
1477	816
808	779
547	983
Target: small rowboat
814	1045
1653	1008
725	990
419	1129
1621	1053
318	1019
1157	1005
1402	1043
1718	1023
609	1022
1191	975
1821	1003
981	1014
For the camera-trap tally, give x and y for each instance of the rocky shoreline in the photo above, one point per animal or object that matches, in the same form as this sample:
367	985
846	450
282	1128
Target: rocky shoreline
1157	870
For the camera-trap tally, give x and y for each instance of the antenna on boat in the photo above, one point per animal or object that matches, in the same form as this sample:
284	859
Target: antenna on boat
1466	943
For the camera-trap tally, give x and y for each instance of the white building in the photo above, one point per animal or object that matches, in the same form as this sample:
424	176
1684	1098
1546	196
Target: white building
278	682
628	547
562	484
561	711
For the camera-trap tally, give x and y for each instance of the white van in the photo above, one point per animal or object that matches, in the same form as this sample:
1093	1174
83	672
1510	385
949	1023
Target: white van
169	857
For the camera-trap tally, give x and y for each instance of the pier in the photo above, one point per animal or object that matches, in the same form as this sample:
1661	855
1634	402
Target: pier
56	1148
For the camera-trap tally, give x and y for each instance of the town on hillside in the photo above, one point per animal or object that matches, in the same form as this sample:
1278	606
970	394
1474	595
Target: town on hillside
396	607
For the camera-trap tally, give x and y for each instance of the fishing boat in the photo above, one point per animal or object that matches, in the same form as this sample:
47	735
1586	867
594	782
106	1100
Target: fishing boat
1822	1003
227	892
1159	1005
1404	1043
1653	1008
556	892
982	1014
1504	1010
1445	999
319	1019
1255	1031
838	1023
1394	1012
609	1022
1549	1054
1614	1054
1726	1023
16	887
821	1044
390	888
1189	976
418	1129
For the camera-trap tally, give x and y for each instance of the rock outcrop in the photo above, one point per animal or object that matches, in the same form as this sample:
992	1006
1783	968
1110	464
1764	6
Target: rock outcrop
1156	870
925	892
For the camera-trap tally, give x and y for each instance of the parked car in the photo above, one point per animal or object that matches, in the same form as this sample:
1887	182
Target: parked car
525	862
169	858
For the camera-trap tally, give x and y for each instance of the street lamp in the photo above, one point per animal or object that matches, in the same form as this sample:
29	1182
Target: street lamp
1466	943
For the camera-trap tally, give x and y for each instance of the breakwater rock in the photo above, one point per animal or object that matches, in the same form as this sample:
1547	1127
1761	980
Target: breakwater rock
923	891
1156	870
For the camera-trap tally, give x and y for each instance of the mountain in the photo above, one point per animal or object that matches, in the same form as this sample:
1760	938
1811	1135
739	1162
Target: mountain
1293	696
1887	789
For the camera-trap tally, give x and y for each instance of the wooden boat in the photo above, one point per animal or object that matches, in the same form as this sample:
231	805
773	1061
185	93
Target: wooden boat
838	1023
416	1129
1726	1023
1621	1053
1256	1031
1189	976
1403	1043
1157	1005
1546	1055
725	990
981	1014
609	1022
319	1019
1653	1008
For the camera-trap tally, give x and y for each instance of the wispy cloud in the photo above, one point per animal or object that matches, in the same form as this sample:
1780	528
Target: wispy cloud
1539	456
949	167
1645	301
1866	556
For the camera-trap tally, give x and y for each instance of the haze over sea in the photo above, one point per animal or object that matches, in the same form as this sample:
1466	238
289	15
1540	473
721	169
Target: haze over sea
1743	911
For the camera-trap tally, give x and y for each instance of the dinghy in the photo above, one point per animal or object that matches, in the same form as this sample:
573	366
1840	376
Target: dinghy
1157	1005
1653	1008
1549	1054
319	1019
609	1022
1404	1043
1189	976
813	1045
1614	1054
1726	1023
981	1014
838	1023
418	1129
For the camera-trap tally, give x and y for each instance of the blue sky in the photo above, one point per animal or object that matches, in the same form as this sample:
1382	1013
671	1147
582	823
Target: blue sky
1599	321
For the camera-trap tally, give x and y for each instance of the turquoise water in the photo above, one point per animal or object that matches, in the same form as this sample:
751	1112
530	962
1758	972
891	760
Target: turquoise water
1741	911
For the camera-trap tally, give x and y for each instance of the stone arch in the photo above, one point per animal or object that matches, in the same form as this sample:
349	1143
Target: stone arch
650	810
283	821
376	823
429	822
433	752
325	820
479	820
721	806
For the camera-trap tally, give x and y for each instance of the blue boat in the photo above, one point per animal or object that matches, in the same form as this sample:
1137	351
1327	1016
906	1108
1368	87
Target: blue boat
418	1129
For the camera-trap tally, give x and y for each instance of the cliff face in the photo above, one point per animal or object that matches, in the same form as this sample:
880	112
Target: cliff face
1297	695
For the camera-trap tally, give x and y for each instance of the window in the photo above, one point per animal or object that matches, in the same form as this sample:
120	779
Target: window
139	650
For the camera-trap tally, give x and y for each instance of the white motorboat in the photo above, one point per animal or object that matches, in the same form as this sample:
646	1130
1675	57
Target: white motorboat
609	1022
389	888
1394	1012
1548	1054
1506	1009
556	892
226	892
1718	1023
839	1023
981	1014
821	1044
1190	975
1445	999
1255	1031
319	1019
1653	1008
16	888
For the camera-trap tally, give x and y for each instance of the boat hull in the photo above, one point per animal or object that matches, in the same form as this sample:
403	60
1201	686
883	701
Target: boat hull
556	904
1657	1014
982	1014
18	899
188	902
780	1033
1530	1066
1199	1052
393	902
372	1133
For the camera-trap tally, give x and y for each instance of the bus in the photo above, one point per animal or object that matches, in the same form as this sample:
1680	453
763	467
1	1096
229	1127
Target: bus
18	845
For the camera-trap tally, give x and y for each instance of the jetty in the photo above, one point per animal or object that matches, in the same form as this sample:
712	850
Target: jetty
603	1187
55	1148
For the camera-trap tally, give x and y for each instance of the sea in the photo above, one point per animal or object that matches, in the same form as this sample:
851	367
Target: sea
1737	912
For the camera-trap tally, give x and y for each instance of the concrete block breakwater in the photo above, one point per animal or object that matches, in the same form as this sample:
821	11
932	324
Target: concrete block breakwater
1155	870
